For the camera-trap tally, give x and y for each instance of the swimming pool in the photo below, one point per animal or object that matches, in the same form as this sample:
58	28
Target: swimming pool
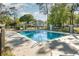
41	35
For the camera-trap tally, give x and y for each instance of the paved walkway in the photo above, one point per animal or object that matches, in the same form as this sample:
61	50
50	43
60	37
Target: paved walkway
68	45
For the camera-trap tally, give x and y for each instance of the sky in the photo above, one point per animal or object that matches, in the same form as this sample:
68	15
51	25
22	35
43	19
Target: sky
28	8
32	9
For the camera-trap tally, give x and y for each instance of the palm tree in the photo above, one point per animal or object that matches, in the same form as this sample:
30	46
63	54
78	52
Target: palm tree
13	12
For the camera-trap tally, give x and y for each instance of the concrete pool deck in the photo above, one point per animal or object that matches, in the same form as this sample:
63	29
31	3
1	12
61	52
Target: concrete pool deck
68	45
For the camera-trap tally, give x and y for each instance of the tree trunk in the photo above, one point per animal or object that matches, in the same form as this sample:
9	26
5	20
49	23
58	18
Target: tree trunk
71	20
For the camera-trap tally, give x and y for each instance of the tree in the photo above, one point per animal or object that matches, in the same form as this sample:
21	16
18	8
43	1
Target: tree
13	12
6	13
5	20
44	8
4	10
1	8
26	18
59	14
77	19
73	7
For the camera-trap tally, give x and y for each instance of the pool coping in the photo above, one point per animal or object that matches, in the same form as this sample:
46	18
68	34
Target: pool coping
67	34
51	31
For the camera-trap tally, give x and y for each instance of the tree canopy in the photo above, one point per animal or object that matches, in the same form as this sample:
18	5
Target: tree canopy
26	18
59	15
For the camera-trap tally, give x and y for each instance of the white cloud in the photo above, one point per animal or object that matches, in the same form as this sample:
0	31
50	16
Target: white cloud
21	11
17	5
39	16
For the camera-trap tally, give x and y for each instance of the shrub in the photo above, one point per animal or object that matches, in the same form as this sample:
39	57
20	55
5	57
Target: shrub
76	30
65	29
18	28
7	52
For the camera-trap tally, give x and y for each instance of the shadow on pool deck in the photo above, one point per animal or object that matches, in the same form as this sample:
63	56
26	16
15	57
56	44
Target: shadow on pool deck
76	43
43	50
17	41
75	36
66	48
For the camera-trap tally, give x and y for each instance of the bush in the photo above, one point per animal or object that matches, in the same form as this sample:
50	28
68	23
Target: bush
65	29
76	30
18	28
7	52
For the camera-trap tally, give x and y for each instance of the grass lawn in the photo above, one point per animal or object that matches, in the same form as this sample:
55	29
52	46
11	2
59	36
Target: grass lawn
76	29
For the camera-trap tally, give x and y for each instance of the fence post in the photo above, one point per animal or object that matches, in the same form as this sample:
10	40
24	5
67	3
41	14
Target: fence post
2	40
0	43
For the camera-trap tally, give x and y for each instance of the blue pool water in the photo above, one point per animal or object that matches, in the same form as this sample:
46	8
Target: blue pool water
41	35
